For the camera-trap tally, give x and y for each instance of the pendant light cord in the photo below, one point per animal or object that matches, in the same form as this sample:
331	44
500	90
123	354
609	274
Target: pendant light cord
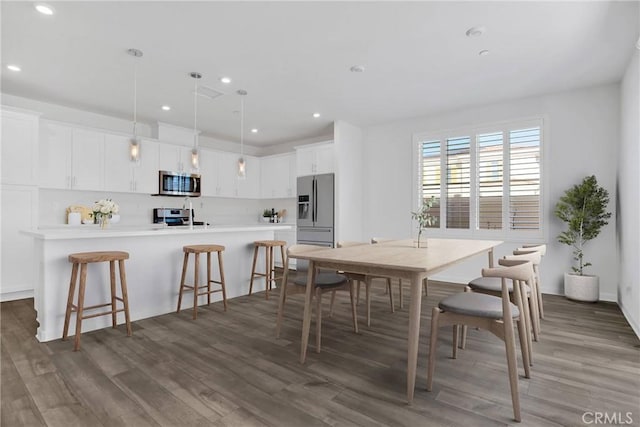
135	96
241	126
195	114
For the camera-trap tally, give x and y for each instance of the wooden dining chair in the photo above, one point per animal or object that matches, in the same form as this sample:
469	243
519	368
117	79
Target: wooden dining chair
494	314
325	281
543	251
493	286
367	280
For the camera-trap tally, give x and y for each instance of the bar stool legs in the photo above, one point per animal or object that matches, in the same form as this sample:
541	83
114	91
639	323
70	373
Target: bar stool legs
80	261
196	250
269	274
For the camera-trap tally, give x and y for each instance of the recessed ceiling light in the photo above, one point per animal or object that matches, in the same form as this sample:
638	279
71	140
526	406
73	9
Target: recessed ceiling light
475	31
14	67
44	9
254	130
484	52
357	69
225	80
166	107
316	115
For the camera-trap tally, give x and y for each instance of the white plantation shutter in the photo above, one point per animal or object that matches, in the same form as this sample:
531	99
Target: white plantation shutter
490	180
524	179
430	176
458	181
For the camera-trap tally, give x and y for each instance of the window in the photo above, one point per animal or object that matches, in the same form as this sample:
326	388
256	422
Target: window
485	181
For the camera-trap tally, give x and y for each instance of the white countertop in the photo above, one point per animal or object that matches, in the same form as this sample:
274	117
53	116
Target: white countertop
92	231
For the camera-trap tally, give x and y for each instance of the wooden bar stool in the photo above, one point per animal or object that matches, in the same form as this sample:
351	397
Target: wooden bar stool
196	250
269	268
81	260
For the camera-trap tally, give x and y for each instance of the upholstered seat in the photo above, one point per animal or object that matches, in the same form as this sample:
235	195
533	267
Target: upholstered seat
323	280
496	314
477	305
491	284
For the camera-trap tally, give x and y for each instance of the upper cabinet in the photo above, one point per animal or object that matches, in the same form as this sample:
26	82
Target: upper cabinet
125	176
249	187
219	172
19	148
278	176
83	159
314	159
174	158
71	158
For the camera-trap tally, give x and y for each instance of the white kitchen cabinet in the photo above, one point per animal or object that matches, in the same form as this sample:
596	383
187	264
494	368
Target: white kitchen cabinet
249	187
125	176
315	159
19	147
278	176
208	172
174	158
19	209
71	158
227	175
219	172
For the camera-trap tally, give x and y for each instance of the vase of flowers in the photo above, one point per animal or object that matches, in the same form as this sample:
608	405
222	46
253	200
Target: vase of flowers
103	210
424	218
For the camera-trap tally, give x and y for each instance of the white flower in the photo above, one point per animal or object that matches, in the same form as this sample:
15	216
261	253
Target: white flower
105	207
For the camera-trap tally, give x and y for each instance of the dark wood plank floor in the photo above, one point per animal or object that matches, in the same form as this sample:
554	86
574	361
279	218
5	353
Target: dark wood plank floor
227	369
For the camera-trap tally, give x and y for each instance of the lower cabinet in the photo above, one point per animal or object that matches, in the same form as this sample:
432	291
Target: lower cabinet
19	212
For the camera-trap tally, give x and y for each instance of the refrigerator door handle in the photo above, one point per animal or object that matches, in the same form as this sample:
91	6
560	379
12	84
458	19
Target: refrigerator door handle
315	202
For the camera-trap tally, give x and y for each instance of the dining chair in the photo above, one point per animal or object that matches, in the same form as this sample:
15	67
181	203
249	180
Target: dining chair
367	280
543	251
493	286
325	281
492	313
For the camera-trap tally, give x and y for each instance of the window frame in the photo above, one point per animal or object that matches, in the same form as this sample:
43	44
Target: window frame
473	232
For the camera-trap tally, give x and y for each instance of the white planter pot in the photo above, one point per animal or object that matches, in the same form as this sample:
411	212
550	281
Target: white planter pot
581	288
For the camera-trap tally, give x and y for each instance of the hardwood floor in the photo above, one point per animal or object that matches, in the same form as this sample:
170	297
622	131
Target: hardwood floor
227	369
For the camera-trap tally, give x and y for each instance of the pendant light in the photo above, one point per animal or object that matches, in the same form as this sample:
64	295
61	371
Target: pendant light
242	166
134	143
195	153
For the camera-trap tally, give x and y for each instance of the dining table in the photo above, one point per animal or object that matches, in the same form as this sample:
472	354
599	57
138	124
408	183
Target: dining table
397	259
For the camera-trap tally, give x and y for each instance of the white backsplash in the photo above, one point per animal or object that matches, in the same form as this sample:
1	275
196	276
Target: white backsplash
137	209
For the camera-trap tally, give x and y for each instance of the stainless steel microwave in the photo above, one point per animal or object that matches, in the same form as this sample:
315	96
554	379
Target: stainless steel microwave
179	184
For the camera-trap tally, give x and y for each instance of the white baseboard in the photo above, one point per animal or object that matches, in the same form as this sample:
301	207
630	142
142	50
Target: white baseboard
16	295
635	325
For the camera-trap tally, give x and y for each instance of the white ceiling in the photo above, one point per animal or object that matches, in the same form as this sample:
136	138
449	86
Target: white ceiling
293	58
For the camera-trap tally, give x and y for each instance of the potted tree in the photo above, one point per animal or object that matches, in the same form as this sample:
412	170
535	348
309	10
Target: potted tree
584	209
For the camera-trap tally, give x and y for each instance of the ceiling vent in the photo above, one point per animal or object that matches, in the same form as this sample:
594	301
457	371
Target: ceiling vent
208	92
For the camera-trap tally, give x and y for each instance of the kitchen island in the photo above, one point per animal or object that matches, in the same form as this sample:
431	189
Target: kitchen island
153	269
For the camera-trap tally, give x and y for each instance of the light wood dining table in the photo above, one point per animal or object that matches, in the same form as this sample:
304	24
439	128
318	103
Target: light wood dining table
393	258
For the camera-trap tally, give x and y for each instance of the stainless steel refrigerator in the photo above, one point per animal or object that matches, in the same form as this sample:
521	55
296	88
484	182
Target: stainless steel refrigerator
315	210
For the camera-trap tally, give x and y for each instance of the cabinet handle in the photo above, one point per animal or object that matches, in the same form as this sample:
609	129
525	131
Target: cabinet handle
68	182
73	183
135	186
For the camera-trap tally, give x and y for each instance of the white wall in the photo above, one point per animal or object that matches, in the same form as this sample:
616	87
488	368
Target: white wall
136	209
628	181
582	133
349	181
